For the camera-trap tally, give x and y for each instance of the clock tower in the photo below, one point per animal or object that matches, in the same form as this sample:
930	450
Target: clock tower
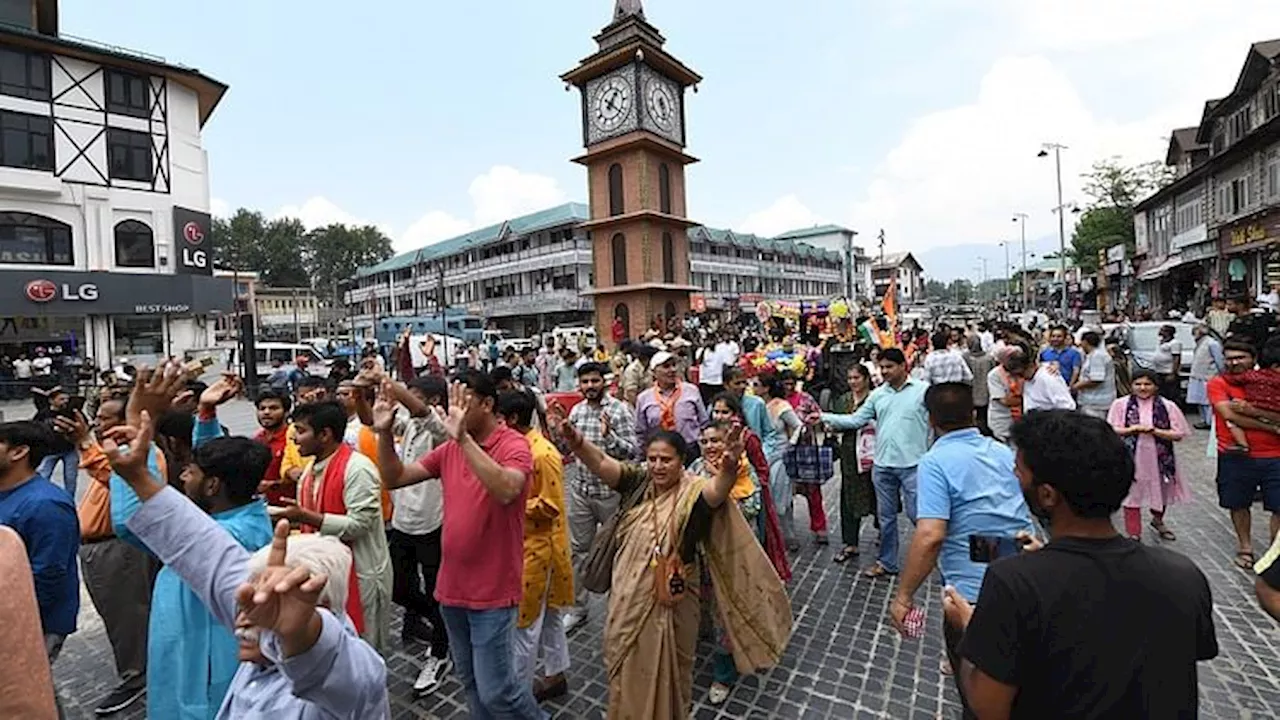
633	127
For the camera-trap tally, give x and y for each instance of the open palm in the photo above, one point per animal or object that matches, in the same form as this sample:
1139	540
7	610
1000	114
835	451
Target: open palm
459	402
384	408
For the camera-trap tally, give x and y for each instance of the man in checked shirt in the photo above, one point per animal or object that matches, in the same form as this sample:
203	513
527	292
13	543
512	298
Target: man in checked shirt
610	424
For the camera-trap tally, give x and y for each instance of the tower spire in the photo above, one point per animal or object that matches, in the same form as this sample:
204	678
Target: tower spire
623	9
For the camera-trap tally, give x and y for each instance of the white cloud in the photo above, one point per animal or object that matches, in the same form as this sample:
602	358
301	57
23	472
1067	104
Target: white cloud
958	174
500	194
787	213
505	192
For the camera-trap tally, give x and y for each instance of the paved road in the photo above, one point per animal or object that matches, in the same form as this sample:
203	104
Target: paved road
844	661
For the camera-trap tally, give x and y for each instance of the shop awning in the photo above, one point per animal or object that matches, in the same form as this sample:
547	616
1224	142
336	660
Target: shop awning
1162	269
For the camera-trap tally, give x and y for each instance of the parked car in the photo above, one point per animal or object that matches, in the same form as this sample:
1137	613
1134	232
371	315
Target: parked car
266	352
1141	339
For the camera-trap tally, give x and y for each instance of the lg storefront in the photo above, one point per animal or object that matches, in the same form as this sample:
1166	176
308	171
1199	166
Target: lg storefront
106	316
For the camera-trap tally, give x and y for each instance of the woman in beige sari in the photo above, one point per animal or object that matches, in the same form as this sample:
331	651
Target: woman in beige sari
680	520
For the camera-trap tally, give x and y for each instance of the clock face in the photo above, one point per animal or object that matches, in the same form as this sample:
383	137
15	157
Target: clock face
660	103
611	104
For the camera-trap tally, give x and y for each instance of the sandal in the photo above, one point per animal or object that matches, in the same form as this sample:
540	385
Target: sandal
718	693
845	554
944	667
877	570
1164	532
1245	559
821	539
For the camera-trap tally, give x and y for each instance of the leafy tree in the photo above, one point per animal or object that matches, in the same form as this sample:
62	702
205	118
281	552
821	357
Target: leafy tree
274	249
336	252
1113	188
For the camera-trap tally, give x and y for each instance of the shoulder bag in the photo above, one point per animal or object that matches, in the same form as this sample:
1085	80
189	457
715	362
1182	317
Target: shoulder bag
597	567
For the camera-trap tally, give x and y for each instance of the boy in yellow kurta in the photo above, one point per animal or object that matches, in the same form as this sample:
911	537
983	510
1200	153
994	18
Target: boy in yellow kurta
548	570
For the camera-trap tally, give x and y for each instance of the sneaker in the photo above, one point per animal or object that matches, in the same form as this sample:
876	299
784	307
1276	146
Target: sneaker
573	620
434	671
119	699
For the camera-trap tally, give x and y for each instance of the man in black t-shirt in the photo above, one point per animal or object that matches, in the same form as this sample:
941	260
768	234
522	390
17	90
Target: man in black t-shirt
1252	326
1092	625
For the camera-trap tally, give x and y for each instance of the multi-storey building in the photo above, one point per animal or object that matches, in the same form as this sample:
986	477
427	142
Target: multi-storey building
104	193
904	268
1215	227
531	273
857	266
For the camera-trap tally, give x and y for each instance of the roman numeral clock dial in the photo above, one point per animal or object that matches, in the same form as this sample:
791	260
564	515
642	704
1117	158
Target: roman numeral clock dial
660	102
611	105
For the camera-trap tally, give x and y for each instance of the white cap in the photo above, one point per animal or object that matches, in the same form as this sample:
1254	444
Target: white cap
660	358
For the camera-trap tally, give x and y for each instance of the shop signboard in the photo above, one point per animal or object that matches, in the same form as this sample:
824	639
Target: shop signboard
193	242
61	293
1115	253
1253	234
1140	233
1198	252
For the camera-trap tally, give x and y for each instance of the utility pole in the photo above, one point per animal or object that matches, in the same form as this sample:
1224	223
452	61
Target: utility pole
1062	219
297	328
1021	219
1008	300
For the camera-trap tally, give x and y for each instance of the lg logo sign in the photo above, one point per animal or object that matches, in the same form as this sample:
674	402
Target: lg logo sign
194	257
43	291
193	241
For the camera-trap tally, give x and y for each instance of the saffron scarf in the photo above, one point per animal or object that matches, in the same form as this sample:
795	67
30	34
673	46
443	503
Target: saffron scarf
1159	420
1014	383
328	498
667	406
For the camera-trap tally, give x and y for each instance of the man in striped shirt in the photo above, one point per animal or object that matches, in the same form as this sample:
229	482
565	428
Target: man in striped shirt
610	424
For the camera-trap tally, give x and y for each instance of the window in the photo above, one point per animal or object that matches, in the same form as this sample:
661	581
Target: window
24	75
618	249
27	239
623	313
26	141
1188	213
1273	174
135	245
664	188
129	153
127	93
616	203
1271	101
138	335
668	258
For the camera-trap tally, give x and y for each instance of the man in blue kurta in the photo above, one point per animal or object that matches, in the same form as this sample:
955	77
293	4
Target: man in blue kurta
191	658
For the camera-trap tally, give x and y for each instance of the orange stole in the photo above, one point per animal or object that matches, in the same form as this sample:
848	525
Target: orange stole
328	498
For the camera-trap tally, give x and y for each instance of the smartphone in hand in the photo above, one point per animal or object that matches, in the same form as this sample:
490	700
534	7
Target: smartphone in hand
989	548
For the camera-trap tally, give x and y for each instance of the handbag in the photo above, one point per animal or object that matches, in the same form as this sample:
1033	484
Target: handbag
597	568
809	462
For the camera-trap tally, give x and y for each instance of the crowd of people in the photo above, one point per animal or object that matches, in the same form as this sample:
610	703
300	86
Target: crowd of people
239	577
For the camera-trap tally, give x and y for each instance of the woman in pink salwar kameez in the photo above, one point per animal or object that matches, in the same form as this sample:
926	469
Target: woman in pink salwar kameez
1150	425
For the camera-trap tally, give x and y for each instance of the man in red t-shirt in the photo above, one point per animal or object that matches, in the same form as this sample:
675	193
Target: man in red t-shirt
1241	474
484	470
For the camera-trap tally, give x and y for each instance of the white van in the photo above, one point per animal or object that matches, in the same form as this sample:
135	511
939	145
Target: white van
286	352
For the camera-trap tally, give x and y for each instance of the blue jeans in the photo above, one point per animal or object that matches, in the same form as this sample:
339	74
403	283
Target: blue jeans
480	643
70	470
888	483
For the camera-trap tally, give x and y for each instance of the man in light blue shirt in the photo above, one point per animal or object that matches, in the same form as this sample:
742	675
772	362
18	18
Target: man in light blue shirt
902	437
966	486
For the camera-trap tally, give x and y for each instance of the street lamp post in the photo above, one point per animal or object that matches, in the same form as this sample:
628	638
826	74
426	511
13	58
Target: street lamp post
1008	299
1021	219
1057	149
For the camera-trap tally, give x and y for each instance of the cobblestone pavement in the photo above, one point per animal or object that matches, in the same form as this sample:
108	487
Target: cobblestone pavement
844	660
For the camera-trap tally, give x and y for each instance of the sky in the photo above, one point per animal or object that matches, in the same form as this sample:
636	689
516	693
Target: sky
921	118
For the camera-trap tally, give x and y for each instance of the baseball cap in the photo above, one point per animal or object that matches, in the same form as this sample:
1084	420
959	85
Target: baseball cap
660	358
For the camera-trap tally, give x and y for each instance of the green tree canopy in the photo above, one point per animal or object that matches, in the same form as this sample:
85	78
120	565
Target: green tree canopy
1113	189
286	254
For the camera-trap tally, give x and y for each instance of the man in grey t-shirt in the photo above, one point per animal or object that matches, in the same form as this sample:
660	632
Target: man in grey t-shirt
1096	386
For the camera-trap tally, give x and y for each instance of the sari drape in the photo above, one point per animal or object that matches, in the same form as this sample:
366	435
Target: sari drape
650	649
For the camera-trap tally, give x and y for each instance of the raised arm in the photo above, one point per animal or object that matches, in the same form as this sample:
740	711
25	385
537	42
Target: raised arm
395	474
717	491
591	456
865	414
185	538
